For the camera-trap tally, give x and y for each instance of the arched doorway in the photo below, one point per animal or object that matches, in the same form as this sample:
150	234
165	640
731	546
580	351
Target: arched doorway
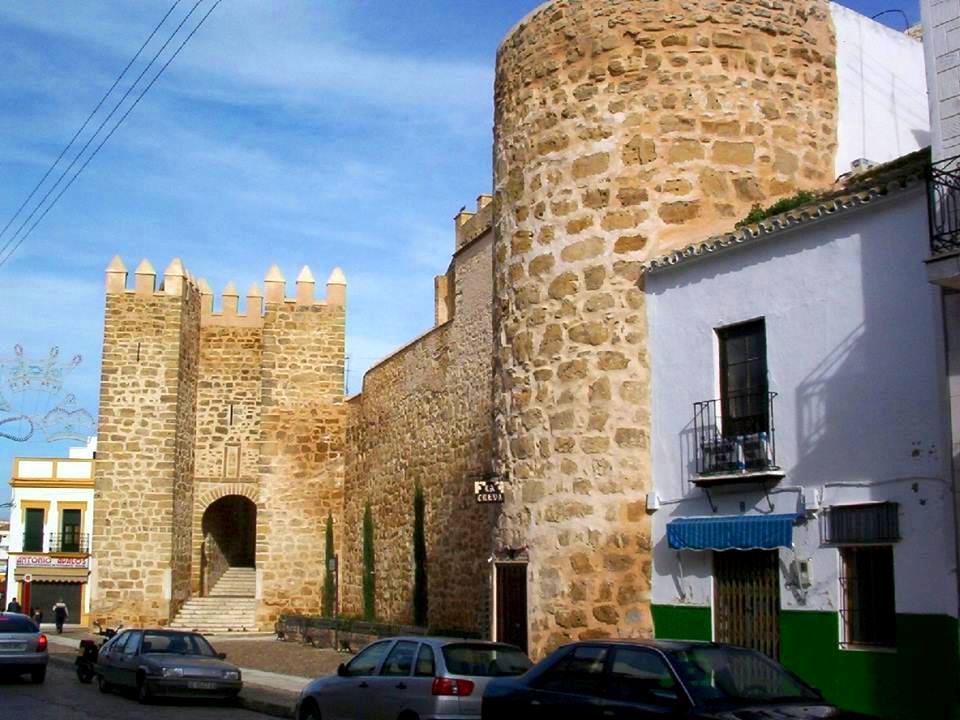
229	528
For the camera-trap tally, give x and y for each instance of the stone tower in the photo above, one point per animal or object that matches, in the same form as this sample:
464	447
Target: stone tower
145	445
221	441
624	128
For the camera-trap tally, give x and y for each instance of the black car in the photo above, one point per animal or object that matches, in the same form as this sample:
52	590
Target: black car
634	680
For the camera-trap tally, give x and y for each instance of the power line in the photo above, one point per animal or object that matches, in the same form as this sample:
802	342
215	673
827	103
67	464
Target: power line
906	20
114	128
109	134
87	121
93	137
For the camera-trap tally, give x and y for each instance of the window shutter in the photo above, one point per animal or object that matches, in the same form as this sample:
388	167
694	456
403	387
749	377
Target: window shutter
861	524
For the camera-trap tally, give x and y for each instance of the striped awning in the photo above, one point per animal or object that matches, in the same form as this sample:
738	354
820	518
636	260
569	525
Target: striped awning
64	575
737	532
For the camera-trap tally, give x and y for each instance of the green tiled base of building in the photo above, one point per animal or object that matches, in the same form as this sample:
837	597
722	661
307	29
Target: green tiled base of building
921	679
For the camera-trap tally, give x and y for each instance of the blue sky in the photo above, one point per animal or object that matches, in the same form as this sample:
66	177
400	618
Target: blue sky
288	131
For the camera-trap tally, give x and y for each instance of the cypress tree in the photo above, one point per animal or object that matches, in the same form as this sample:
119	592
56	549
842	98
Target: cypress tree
329	579
419	560
369	586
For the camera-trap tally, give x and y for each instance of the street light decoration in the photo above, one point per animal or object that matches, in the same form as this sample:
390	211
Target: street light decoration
33	399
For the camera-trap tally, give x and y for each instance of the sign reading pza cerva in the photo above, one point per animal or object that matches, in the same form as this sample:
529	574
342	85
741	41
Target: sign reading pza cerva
488	491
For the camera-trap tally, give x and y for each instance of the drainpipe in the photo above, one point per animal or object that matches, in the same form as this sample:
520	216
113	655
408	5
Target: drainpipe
948	350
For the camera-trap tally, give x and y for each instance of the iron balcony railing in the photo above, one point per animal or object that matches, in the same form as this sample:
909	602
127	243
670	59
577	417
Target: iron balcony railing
735	434
943	195
69	542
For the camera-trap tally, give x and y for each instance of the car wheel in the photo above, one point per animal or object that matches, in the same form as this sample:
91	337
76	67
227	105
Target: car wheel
310	711
143	691
102	683
38	676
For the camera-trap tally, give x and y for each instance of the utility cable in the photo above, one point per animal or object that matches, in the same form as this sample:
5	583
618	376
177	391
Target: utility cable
906	20
92	138
87	121
136	102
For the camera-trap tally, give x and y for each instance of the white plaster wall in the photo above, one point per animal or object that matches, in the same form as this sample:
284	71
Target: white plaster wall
51	525
52	519
882	90
941	41
855	352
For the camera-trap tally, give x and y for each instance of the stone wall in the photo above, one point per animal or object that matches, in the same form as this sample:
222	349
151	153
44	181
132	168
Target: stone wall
184	458
303	423
424	416
144	451
622	129
228	416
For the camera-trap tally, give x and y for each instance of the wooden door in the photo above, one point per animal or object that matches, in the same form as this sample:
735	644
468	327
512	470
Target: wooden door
747	599
511	602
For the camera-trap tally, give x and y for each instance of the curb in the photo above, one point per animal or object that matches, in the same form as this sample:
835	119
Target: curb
250	698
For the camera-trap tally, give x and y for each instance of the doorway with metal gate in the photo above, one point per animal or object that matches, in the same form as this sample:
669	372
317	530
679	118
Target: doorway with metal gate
510	595
747	599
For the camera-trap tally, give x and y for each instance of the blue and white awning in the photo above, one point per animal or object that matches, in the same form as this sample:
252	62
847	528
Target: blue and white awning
738	532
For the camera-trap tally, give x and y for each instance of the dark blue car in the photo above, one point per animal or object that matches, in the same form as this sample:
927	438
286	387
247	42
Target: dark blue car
634	680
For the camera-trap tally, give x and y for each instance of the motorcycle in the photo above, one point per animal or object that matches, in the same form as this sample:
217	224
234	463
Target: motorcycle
89	651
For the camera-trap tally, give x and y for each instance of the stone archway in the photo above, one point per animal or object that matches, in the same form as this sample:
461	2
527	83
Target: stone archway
229	532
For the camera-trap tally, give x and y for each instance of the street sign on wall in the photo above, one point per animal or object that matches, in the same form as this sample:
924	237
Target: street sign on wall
488	491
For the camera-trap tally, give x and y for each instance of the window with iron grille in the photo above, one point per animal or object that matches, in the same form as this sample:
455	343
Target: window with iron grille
743	379
869	608
861	524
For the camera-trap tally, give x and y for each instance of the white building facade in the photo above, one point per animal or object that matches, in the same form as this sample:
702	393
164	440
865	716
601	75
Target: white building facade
801	447
51	525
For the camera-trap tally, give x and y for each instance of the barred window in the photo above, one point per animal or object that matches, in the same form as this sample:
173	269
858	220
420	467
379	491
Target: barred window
869	608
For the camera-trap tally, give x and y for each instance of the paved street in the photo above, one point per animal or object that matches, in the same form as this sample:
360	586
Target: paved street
63	697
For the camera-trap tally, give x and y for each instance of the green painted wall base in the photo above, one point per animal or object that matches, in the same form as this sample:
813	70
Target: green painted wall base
919	679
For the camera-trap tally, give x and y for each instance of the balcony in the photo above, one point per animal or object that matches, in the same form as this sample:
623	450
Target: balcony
735	440
69	542
943	202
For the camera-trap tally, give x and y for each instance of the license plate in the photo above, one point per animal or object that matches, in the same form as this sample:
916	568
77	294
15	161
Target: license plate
196	685
13	647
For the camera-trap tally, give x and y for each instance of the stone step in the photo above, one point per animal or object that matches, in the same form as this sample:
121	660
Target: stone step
230	607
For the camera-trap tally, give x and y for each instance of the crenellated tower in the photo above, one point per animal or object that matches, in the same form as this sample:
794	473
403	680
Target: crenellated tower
145	452
221	441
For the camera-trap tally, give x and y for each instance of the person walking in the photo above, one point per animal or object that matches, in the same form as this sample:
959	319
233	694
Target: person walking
37	616
60	614
13	606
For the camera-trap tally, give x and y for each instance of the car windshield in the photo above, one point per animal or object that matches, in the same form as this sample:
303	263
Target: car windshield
176	644
485	660
724	675
17	624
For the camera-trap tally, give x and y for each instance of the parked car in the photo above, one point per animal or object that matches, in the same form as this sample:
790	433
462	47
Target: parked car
23	648
411	677
625	679
166	663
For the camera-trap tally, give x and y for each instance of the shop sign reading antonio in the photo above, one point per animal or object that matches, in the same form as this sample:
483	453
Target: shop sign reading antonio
488	491
45	561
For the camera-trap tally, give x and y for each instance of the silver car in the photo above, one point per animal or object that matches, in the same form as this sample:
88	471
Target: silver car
411	678
23	648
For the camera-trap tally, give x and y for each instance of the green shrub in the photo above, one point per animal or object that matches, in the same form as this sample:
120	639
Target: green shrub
419	560
757	213
369	584
329	578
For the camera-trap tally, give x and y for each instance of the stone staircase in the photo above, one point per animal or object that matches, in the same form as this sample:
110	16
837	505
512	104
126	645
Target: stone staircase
231	605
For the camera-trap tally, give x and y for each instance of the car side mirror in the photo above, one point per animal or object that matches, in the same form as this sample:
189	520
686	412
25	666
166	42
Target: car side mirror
342	670
222	656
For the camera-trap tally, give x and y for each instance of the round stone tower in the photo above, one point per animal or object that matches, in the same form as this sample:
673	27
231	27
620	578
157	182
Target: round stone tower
624	129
